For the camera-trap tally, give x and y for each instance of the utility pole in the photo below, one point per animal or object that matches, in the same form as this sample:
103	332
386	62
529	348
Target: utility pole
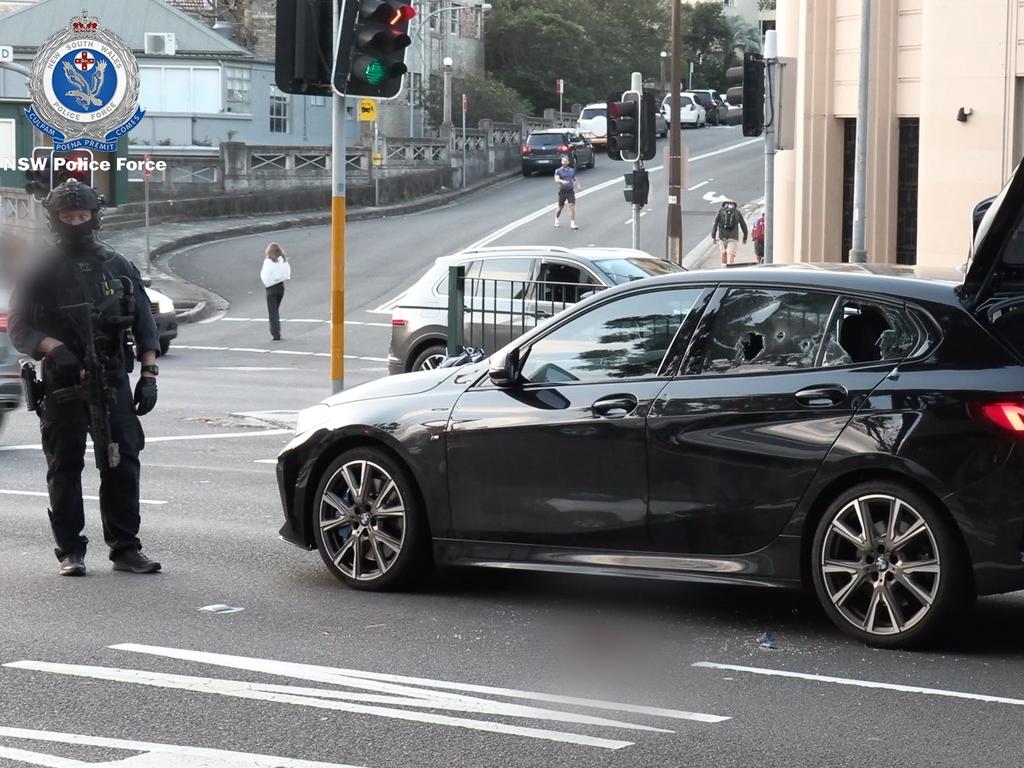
674	230
771	59
858	252
337	233
636	83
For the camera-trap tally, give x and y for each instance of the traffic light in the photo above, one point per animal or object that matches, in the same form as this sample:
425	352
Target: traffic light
370	55
648	127
624	126
638	187
37	178
753	94
304	45
73	164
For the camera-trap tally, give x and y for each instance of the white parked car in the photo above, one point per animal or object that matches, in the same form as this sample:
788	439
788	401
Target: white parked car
10	383
593	122
690	112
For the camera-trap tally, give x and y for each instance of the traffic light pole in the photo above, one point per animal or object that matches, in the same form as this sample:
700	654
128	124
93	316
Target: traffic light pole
636	83
770	62
674	230
337	234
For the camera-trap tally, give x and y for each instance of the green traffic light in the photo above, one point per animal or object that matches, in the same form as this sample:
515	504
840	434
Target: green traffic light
375	72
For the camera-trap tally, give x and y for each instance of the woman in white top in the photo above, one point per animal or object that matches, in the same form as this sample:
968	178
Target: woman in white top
276	270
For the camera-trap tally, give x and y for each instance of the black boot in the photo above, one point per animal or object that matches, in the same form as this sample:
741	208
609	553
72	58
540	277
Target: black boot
72	565
133	560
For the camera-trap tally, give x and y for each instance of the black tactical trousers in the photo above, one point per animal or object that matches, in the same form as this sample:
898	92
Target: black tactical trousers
275	294
64	427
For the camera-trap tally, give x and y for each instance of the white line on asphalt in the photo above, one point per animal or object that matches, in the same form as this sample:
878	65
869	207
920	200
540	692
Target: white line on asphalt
43	495
276	352
251	368
332	674
162	752
255	691
38	758
698	186
264	461
864	683
176	438
308	321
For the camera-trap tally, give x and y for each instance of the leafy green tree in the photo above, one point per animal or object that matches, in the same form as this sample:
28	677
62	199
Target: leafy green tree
487	96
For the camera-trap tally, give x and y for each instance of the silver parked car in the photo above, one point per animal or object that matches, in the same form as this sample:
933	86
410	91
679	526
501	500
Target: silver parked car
10	381
509	290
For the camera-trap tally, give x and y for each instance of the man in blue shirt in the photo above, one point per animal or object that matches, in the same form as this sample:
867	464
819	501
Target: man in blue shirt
565	178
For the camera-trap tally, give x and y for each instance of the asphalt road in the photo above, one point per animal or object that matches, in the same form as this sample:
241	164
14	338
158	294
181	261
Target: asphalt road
474	668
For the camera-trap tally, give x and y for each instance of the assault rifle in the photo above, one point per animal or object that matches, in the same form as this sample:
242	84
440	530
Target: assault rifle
94	389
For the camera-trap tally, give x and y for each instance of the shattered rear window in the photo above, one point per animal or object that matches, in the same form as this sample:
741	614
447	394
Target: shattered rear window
757	330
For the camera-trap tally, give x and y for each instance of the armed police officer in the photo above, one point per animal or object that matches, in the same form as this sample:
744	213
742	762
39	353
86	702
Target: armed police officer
85	315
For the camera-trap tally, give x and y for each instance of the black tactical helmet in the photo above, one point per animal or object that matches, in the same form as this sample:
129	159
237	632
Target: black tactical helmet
73	195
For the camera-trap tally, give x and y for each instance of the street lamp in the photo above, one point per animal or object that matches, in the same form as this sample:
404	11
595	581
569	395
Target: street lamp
418	37
664	61
446	123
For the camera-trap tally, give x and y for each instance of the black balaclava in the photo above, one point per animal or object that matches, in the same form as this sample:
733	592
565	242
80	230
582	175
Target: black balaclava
73	195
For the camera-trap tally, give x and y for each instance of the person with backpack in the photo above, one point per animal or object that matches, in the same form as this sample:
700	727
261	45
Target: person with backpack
757	235
726	231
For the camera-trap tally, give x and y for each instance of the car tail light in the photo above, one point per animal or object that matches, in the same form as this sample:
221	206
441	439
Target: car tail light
563	148
3	322
1008	416
399	321
527	150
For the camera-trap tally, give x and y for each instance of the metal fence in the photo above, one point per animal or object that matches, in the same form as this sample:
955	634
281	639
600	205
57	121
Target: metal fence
486	314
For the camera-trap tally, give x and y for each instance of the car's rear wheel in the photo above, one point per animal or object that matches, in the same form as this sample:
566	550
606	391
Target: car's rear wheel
429	358
527	172
165	346
367	523
888	567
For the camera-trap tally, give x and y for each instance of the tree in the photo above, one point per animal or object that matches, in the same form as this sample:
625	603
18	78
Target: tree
744	36
488	98
708	42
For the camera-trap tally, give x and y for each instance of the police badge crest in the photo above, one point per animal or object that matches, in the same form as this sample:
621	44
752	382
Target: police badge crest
84	84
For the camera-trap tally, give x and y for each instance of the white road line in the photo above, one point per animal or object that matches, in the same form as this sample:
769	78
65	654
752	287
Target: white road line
251	368
307	321
698	186
177	438
43	495
38	758
243	690
276	352
864	683
332	674
264	461
162	753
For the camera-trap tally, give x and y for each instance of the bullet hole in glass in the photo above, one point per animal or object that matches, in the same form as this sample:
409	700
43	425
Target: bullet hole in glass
752	345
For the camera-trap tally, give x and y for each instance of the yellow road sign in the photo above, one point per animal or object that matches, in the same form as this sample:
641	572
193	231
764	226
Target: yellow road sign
377	158
367	110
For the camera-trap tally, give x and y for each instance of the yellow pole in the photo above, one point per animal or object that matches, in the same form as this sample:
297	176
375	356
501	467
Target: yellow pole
337	292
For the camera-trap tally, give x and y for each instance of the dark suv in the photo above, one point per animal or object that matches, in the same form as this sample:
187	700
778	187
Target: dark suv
543	150
708	99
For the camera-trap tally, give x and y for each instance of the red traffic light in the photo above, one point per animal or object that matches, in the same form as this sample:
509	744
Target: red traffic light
385	12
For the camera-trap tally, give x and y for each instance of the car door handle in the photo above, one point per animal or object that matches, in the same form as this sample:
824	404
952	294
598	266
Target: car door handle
615	406
821	397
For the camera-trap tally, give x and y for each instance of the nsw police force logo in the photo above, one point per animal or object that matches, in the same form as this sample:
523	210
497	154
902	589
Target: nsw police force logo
84	83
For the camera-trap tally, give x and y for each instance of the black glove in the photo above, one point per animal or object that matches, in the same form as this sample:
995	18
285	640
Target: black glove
145	395
64	366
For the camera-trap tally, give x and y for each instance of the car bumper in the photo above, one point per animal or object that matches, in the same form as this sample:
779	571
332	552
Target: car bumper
395	366
166	325
295	474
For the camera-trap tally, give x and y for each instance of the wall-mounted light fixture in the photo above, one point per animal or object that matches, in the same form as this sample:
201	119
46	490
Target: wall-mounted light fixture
963	114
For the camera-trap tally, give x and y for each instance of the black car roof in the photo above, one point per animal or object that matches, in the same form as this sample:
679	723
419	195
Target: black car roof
890	281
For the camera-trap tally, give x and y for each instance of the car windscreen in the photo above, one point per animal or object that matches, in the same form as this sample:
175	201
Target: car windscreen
683	101
545	140
625	269
592	112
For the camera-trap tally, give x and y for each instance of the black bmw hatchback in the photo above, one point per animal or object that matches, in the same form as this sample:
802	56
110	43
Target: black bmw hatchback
837	428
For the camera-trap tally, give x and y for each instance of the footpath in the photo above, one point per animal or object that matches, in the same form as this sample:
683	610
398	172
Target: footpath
706	254
194	303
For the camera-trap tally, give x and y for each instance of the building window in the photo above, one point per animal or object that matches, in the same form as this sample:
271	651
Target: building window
185	90
318	101
427	11
279	103
239	95
906	191
454	16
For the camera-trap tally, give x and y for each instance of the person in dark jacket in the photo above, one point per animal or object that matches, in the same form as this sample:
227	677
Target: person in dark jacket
80	269
726	231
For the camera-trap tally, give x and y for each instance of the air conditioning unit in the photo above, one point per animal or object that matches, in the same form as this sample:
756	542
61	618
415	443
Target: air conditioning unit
161	43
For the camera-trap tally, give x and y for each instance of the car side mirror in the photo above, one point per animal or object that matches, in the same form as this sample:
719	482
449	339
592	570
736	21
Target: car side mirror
503	368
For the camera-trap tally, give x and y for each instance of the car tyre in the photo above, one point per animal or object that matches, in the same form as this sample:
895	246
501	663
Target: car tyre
165	346
429	358
900	582
368	523
527	172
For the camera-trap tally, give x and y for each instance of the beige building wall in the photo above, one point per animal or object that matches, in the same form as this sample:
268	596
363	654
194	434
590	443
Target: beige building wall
929	58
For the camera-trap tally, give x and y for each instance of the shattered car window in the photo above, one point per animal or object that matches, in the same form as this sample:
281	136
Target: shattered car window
864	332
757	330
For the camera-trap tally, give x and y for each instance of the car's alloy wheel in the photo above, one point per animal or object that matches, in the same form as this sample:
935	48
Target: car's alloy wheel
366	520
886	566
430	358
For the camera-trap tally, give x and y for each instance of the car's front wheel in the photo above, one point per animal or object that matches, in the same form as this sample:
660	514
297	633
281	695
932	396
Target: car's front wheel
367	522
887	566
429	358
